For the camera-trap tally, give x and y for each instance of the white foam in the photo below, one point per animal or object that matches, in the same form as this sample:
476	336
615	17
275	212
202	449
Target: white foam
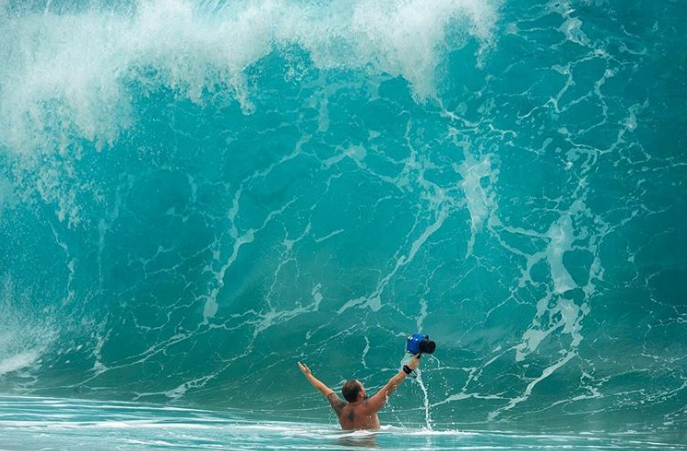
481	200
18	361
24	339
572	28
561	236
66	75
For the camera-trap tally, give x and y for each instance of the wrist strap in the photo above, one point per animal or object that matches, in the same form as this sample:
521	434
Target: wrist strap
406	369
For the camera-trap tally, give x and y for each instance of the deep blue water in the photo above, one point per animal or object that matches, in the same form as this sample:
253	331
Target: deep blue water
194	196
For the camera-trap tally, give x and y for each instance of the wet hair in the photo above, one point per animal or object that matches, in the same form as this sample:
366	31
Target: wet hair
350	390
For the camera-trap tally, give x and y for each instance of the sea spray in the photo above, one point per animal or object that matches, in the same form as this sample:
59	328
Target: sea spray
26	335
416	376
428	419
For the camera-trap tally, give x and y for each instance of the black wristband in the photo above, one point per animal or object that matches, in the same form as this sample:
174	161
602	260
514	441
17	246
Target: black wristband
406	369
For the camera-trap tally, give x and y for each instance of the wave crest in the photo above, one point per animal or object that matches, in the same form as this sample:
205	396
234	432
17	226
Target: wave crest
68	74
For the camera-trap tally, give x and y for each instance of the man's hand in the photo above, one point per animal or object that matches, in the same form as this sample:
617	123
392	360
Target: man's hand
304	368
414	362
326	391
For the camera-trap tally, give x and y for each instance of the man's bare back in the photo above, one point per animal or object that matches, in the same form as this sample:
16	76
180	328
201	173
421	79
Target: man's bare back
360	412
355	415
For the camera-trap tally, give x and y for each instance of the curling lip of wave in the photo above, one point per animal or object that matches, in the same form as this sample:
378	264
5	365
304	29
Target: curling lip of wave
67	73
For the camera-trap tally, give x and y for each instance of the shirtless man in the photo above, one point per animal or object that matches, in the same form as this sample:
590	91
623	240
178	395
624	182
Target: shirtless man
359	412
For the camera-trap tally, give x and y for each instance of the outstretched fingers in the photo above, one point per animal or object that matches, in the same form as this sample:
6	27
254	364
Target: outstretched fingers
304	368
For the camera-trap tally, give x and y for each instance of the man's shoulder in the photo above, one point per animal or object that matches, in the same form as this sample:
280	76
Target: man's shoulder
337	403
334	396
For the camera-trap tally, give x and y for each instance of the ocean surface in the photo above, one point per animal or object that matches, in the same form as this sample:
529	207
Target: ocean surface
196	195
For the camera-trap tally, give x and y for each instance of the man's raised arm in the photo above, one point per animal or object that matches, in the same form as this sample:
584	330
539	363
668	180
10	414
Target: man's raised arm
326	391
379	399
336	403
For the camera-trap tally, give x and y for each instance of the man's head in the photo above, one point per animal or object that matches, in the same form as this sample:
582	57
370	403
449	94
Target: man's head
353	391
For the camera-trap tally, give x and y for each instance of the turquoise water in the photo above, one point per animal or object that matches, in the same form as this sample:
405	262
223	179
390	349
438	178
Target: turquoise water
196	195
57	424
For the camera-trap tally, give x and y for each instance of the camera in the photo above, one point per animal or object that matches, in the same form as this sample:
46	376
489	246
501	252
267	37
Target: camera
420	343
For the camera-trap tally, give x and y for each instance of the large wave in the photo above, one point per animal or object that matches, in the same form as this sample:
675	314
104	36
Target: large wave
195	195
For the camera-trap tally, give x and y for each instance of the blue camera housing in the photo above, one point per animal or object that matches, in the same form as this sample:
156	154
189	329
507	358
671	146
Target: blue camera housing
413	343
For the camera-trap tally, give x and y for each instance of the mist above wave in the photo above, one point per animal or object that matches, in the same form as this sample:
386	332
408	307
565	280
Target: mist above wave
69	73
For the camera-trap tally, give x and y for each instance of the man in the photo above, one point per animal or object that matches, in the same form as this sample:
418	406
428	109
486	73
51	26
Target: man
360	412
